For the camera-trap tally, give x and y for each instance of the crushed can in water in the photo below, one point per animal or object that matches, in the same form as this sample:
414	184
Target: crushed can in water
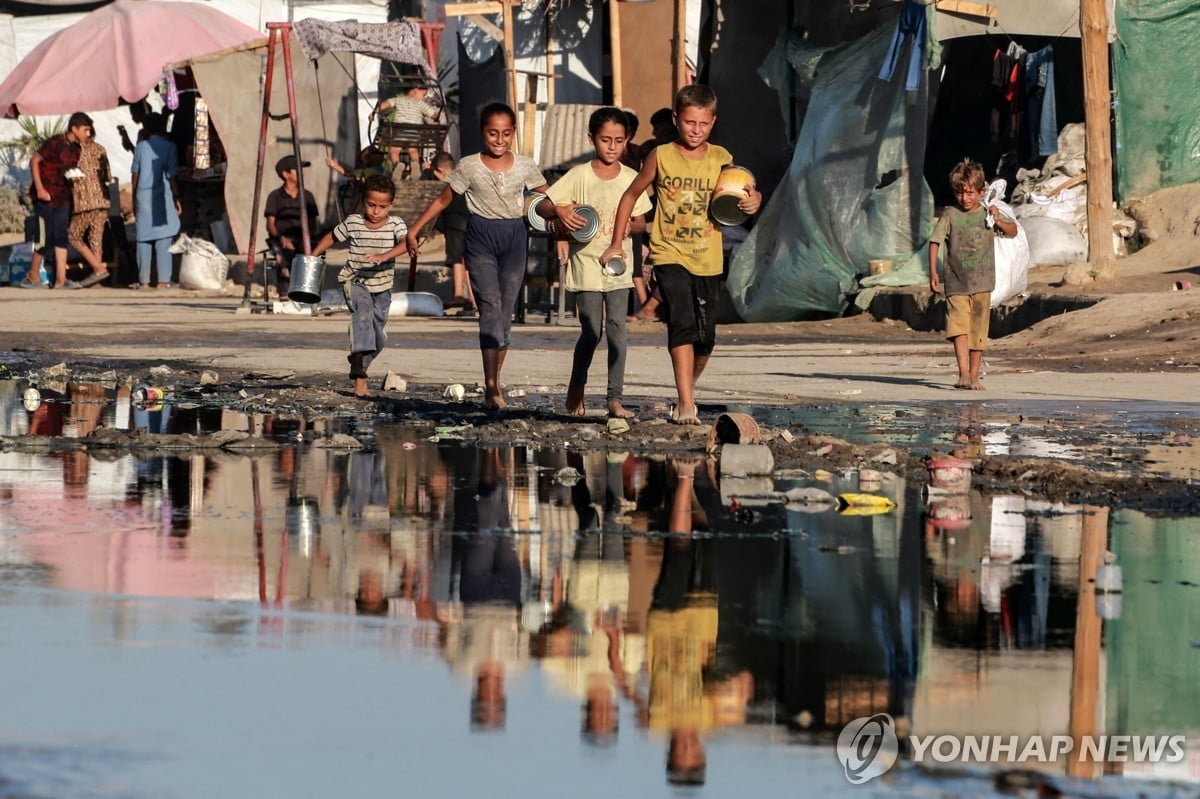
31	399
455	391
147	395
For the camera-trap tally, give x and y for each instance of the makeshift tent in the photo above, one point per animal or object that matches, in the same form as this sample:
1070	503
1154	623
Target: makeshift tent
854	191
1157	102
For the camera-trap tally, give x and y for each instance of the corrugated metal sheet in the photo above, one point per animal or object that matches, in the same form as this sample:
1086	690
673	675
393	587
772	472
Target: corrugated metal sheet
565	136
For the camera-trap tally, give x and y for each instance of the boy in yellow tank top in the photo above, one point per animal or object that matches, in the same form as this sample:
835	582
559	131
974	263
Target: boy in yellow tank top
685	244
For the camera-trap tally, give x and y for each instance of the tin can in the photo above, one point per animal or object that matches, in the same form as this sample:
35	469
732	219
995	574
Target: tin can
31	399
732	186
147	395
591	226
535	220
615	266
455	391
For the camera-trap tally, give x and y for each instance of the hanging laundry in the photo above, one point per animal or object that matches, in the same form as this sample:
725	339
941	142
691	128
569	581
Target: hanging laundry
1041	105
912	23
1007	73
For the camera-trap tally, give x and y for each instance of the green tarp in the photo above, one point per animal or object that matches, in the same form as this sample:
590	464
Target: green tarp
1158	95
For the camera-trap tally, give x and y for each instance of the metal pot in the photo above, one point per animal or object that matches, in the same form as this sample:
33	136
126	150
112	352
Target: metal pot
308	274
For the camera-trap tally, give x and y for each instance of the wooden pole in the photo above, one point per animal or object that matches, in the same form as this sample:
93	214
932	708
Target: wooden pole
614	50
1097	98
679	48
510	70
1084	717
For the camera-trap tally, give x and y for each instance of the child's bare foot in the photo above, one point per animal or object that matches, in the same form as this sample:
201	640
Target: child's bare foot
493	400
689	417
976	386
360	386
618	411
963	383
575	400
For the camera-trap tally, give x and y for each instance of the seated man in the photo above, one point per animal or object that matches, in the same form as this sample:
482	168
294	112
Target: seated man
282	211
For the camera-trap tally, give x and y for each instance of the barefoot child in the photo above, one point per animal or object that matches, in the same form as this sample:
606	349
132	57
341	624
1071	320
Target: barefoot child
685	244
600	184
970	268
369	273
494	182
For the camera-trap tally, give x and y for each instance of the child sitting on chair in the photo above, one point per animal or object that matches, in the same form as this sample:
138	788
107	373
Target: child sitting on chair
411	108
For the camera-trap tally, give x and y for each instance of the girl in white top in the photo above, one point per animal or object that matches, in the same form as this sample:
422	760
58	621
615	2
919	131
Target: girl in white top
494	183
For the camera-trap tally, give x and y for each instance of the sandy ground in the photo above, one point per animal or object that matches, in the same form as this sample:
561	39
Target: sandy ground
1139	341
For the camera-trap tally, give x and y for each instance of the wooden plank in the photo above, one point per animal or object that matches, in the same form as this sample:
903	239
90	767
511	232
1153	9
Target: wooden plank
679	47
968	8
487	26
530	115
467	9
614	49
510	73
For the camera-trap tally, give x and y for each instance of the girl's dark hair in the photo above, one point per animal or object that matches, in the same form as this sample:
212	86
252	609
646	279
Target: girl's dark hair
607	114
495	109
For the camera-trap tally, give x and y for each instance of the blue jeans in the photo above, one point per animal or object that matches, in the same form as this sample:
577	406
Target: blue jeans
161	249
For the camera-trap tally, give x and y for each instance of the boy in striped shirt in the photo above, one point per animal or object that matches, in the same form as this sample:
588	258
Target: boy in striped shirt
366	278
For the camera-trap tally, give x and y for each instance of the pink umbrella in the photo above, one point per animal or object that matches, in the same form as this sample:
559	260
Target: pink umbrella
115	53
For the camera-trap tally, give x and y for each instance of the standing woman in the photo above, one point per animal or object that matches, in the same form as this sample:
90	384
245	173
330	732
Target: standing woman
89	206
494	183
156	200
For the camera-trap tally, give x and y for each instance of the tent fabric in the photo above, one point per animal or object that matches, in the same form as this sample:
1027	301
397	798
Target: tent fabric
328	127
1158	129
392	41
854	191
115	53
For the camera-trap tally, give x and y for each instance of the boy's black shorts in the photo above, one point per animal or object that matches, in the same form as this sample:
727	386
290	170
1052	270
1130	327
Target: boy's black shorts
690	306
455	246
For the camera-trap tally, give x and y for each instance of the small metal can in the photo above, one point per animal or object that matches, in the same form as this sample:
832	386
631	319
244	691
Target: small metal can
615	266
147	395
455	391
31	399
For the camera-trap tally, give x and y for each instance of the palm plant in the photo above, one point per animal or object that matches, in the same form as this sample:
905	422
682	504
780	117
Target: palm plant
33	136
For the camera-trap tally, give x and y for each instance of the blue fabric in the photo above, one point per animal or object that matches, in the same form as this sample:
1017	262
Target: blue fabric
911	23
155	161
1043	113
160	249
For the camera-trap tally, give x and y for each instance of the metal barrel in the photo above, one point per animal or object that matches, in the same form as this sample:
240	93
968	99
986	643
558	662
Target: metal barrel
308	273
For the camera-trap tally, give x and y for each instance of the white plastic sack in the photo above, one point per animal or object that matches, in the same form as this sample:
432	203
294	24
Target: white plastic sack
1053	242
416	303
1011	252
203	267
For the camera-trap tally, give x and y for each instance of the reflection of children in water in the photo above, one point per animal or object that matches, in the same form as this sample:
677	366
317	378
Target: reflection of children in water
681	640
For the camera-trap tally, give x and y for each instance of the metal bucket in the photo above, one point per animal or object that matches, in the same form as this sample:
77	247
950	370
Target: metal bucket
535	221
732	185
308	273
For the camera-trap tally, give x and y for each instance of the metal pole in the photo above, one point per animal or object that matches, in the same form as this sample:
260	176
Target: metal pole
258	171
294	115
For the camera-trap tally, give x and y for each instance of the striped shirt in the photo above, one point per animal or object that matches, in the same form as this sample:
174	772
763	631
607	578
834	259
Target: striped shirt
363	242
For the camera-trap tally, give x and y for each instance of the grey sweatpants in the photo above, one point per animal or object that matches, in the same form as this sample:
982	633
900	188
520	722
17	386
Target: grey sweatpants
368	315
594	308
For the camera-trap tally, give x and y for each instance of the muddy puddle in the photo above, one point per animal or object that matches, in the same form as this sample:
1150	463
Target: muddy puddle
444	617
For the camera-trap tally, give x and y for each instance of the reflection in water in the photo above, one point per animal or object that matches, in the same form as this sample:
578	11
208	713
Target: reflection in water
636	592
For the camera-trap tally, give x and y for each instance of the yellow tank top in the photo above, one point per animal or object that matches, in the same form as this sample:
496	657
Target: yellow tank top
683	231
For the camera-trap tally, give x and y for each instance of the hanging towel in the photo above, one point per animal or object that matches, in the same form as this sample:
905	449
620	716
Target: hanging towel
911	23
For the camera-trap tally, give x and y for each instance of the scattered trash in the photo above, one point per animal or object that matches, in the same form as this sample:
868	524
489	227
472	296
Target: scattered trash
338	441
517	392
445	432
455	391
162	370
617	426
394	382
864	504
209	378
742	460
809	496
869	480
953	474
733	428
31	399
1181	285
57	370
409	445
825	450
567	476
888	456
850	392
147	395
787	436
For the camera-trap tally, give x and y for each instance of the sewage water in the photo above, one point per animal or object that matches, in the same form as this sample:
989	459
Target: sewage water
444	620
